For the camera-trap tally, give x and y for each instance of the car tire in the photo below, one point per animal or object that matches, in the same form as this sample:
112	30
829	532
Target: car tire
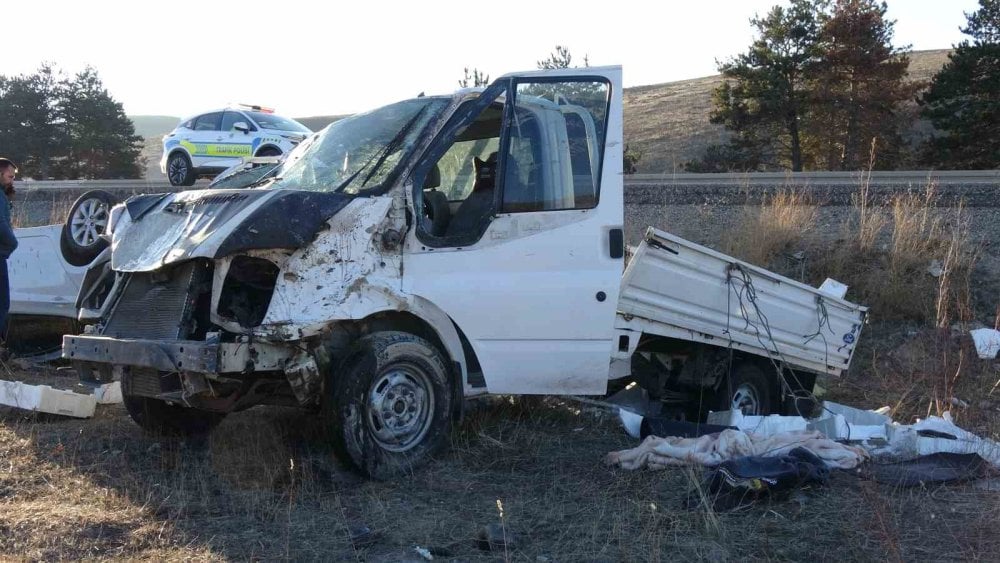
269	151
88	218
390	404
748	389
180	172
162	418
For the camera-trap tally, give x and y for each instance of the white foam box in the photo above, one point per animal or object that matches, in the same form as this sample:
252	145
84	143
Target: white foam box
841	422
764	425
42	398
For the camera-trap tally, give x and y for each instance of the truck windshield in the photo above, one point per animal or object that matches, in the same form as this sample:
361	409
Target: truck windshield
361	153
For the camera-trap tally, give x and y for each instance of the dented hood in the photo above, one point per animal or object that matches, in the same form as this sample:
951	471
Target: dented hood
169	228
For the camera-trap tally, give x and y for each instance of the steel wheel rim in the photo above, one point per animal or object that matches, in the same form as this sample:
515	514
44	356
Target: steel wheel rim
178	169
400	407
88	222
746	399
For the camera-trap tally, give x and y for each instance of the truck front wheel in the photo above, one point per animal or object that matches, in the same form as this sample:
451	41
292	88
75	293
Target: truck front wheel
391	404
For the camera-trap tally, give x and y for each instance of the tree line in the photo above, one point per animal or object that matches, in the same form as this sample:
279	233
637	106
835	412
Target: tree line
59	127
823	88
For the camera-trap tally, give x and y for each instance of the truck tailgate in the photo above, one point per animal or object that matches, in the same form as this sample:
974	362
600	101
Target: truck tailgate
673	287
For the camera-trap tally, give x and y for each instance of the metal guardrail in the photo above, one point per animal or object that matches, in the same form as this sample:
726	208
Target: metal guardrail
917	178
84	185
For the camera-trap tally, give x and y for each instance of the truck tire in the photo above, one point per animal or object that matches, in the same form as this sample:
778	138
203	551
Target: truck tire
80	241
390	404
160	417
748	389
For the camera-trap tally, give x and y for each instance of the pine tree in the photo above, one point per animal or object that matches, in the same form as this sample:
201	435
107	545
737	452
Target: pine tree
31	130
55	127
963	101
763	98
857	89
102	139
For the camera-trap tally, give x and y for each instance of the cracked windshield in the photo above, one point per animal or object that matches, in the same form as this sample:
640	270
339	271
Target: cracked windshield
360	153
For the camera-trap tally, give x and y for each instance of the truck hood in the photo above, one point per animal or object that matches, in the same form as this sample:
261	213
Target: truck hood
163	229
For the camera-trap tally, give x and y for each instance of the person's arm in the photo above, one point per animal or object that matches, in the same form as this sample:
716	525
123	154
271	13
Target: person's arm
8	242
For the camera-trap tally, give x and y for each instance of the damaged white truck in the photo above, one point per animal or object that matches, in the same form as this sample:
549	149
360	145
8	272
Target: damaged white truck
429	251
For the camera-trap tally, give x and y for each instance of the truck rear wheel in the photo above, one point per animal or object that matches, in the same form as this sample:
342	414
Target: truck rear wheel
160	417
748	390
391	404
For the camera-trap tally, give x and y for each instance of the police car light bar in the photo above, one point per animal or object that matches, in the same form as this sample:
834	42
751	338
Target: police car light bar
255	107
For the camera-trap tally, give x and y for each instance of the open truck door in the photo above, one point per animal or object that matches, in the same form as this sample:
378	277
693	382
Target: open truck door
518	234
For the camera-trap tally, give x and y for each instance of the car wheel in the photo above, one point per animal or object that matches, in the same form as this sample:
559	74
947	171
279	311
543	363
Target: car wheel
81	240
179	170
748	390
160	417
391	404
269	151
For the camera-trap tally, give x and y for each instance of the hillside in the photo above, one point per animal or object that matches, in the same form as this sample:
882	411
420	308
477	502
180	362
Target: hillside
667	122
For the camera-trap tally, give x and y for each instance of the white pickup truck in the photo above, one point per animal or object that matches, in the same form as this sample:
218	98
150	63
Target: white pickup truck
431	250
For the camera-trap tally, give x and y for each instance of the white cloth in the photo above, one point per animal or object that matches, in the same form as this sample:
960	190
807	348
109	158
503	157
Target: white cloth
710	450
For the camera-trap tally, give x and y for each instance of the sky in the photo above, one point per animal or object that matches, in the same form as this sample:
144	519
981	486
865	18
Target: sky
328	58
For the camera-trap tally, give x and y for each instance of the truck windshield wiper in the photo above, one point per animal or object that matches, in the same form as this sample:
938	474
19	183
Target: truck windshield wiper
380	157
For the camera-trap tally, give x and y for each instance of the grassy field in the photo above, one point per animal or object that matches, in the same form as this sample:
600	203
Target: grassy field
260	488
264	486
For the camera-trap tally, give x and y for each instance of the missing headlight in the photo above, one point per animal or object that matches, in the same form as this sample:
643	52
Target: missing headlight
246	293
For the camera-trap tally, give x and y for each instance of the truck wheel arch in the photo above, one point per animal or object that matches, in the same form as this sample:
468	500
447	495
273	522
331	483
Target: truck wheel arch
427	321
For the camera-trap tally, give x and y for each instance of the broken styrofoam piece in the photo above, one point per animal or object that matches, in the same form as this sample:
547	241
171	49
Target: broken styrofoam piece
906	440
109	393
631	421
841	422
764	425
833	288
987	342
42	398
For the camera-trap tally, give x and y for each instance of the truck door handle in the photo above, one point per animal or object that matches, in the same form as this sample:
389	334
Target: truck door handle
616	243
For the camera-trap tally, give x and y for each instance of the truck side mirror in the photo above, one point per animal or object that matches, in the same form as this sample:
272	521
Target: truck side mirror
241	126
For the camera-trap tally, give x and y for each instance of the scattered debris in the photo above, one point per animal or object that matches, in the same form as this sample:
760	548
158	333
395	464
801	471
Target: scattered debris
942	467
43	398
936	268
711	450
833	288
987	342
747	479
423	552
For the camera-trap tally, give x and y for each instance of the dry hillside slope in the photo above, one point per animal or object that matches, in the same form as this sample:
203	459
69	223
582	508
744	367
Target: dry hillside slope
669	122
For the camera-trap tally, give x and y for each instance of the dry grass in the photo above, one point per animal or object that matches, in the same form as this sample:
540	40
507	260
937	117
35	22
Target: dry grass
260	488
783	223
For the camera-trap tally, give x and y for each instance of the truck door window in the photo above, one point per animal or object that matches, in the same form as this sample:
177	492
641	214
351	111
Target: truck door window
458	196
555	145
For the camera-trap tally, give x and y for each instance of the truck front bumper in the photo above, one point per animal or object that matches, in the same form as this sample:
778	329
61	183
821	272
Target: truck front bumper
208	357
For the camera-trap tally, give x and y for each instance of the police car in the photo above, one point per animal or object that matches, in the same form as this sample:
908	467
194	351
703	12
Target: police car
208	143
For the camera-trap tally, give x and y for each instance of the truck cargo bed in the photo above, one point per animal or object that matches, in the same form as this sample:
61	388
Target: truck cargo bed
675	288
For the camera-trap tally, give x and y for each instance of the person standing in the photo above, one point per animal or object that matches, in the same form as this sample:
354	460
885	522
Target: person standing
8	242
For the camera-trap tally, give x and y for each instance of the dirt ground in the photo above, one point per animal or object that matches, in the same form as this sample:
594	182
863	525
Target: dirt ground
264	487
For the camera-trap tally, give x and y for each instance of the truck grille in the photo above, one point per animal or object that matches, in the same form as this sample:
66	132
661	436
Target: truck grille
156	305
